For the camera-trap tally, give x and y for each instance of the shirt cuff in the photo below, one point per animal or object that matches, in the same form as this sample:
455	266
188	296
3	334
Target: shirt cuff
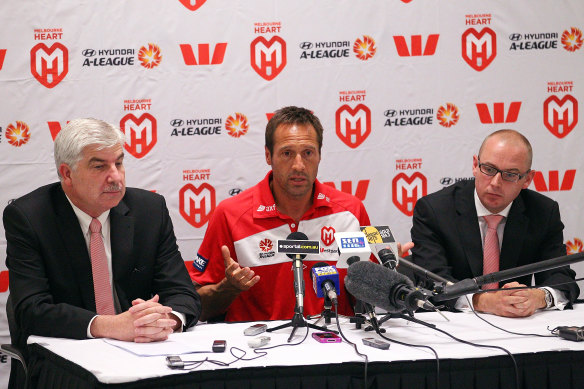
464	303
89	326
182	318
560	299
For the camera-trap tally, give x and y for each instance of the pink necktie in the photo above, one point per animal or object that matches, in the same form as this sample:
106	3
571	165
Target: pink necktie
491	248
104	300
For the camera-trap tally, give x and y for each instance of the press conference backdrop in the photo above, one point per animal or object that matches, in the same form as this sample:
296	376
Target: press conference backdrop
406	91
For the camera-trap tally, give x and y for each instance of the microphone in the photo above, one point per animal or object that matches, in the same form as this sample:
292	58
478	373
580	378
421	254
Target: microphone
385	288
387	258
362	306
325	281
297	265
473	285
351	243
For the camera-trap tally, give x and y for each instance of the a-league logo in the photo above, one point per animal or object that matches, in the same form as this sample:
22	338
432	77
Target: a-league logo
49	65
192	5
353	125
406	190
196	204
479	49
327	235
268	58
141	134
560	116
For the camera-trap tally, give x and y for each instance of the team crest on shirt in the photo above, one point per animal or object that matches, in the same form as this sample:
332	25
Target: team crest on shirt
327	235
267	249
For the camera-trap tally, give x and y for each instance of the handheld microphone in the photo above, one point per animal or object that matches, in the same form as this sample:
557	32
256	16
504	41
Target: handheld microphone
385	288
387	258
297	265
325	281
352	243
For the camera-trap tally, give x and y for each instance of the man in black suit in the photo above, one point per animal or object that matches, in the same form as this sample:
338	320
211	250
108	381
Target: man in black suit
50	260
449	228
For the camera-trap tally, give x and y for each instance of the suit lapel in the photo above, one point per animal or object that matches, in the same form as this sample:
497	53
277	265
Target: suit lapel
122	242
515	230
468	228
75	245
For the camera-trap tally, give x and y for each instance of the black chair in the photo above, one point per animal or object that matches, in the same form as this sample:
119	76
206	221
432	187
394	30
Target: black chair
18	371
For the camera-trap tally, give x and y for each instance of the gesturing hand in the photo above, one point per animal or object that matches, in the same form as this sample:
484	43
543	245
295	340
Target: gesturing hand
237	277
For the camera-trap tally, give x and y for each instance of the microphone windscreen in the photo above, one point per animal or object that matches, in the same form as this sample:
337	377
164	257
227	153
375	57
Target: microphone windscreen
297	235
372	283
352	260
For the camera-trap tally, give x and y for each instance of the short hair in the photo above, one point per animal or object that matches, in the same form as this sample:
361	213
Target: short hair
511	135
80	133
292	115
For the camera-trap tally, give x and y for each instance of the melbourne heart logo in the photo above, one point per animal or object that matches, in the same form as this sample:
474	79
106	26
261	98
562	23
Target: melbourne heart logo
196	204
498	114
572	39
416	48
447	115
204	54
560	116
553	182
327	235
353	125
141	134
406	190
17	135
236	125
150	56
193	5
479	48
2	56
268	57
572	247
364	48
49	65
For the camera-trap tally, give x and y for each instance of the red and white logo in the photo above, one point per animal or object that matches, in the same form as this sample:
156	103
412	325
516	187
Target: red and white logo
4	281
416	45
17	135
572	39
237	125
196	204
560	116
447	116
268	58
353	124
406	190
193	5
141	134
49	65
347	187
498	115
479	49
571	247
364	48
266	245
553	184
150	56
327	235
55	128
2	56
204	54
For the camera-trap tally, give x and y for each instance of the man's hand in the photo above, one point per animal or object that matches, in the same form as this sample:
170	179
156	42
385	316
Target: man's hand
404	249
510	303
237	277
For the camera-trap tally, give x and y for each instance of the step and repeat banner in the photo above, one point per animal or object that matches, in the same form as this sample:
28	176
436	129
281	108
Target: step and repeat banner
406	91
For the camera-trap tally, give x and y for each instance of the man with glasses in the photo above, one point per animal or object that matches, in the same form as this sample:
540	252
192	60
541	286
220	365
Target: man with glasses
495	223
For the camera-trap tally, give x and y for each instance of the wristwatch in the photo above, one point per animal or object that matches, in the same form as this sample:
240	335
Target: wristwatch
549	298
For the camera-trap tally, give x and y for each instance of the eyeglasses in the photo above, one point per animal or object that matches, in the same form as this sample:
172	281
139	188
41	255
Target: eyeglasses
492	171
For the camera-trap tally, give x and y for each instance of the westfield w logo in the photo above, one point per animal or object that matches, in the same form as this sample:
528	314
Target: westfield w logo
193	5
553	184
141	135
479	49
498	115
268	58
353	125
347	187
204	54
416	45
560	116
406	190
2	56
49	65
196	204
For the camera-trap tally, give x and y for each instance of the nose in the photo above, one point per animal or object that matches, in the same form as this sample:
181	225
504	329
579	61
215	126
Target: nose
497	179
114	174
298	164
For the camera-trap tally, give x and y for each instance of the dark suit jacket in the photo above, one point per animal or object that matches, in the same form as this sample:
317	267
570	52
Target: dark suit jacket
51	283
447	236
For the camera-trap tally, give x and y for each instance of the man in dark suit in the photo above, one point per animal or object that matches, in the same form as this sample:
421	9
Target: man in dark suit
144	292
450	229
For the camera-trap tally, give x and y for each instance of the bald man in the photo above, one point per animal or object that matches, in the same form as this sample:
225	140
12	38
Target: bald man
450	231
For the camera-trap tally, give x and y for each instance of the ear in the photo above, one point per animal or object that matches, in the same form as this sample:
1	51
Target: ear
528	179
475	166
65	171
268	156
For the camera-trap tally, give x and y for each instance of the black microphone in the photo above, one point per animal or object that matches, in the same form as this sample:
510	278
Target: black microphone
384	288
298	271
387	258
325	281
473	285
360	305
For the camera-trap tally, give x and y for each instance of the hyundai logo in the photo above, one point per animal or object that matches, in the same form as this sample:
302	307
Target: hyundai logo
390	113
306	45
446	181
88	52
176	122
515	37
233	192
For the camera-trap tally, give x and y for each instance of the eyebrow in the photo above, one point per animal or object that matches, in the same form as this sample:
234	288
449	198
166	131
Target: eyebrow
99	160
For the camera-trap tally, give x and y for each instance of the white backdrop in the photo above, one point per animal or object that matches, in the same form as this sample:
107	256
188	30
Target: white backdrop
406	91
